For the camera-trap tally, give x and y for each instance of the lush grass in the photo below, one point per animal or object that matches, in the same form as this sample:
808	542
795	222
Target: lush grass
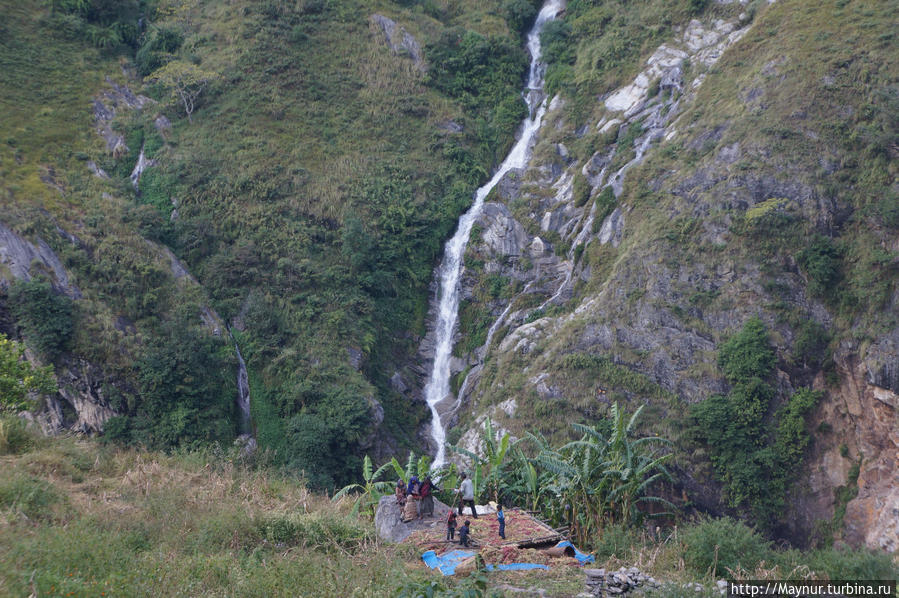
142	524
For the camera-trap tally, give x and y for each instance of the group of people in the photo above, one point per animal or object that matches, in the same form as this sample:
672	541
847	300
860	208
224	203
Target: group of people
465	530
409	496
417	500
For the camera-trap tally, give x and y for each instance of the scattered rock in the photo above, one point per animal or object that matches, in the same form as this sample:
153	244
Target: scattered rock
399	40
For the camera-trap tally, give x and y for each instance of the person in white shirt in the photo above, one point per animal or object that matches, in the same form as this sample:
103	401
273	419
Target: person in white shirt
466	489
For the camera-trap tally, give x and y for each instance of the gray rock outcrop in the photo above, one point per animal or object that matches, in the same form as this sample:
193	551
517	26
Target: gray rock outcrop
399	40
20	257
389	524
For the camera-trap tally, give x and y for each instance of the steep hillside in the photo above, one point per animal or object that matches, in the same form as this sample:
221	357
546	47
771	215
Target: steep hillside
737	166
707	225
284	173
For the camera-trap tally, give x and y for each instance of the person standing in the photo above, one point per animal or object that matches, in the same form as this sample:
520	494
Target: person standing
451	526
501	518
466	489
427	498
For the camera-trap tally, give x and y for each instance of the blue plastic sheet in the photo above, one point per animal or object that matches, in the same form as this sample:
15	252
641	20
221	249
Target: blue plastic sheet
447	562
516	567
580	556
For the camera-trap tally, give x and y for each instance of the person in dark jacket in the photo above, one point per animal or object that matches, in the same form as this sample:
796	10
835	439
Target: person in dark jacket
413	485
464	540
501	518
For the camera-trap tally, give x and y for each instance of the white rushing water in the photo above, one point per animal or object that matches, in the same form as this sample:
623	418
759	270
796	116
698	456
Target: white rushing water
438	386
243	390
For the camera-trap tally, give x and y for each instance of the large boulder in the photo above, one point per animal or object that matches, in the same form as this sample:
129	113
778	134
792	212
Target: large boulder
389	523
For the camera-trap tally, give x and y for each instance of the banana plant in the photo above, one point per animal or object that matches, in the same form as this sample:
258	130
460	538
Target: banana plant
598	479
371	491
495	452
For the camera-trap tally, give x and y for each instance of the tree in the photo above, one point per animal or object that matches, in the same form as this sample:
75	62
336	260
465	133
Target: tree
185	82
18	378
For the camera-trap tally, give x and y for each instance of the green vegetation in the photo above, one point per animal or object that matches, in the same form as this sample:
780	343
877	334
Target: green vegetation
88	519
19	379
754	459
598	44
124	522
315	179
46	316
716	546
604	477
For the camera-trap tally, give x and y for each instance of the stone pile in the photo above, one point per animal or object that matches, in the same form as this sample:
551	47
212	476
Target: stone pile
604	583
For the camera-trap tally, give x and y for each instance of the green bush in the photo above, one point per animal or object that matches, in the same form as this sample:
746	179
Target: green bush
580	190
852	564
714	546
47	317
157	48
117	429
16	436
616	541
754	463
747	354
605	205
320	531
821	262
519	14
811	346
29	496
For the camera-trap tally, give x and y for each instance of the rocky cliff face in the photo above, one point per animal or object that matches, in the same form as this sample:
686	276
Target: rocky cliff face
632	239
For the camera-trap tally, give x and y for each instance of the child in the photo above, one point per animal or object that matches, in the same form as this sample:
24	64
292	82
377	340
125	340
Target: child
451	525
501	517
463	533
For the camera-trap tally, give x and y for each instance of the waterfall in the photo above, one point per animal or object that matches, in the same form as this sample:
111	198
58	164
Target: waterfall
243	390
438	385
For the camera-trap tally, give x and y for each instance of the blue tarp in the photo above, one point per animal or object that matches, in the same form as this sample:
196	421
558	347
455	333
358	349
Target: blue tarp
580	556
516	567
447	562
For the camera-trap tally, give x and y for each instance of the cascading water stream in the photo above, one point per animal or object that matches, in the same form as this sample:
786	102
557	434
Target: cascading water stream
438	386
243	390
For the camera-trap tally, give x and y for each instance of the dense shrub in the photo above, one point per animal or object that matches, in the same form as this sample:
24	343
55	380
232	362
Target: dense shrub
186	387
103	23
754	462
835	563
747	354
16	436
32	497
158	47
47	317
821	262
520	14
718	545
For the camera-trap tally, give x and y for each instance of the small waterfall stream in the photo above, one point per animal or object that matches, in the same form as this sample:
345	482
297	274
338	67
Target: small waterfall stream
438	385
243	391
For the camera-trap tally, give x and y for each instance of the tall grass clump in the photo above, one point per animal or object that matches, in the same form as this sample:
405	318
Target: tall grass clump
16	436
30	497
715	546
